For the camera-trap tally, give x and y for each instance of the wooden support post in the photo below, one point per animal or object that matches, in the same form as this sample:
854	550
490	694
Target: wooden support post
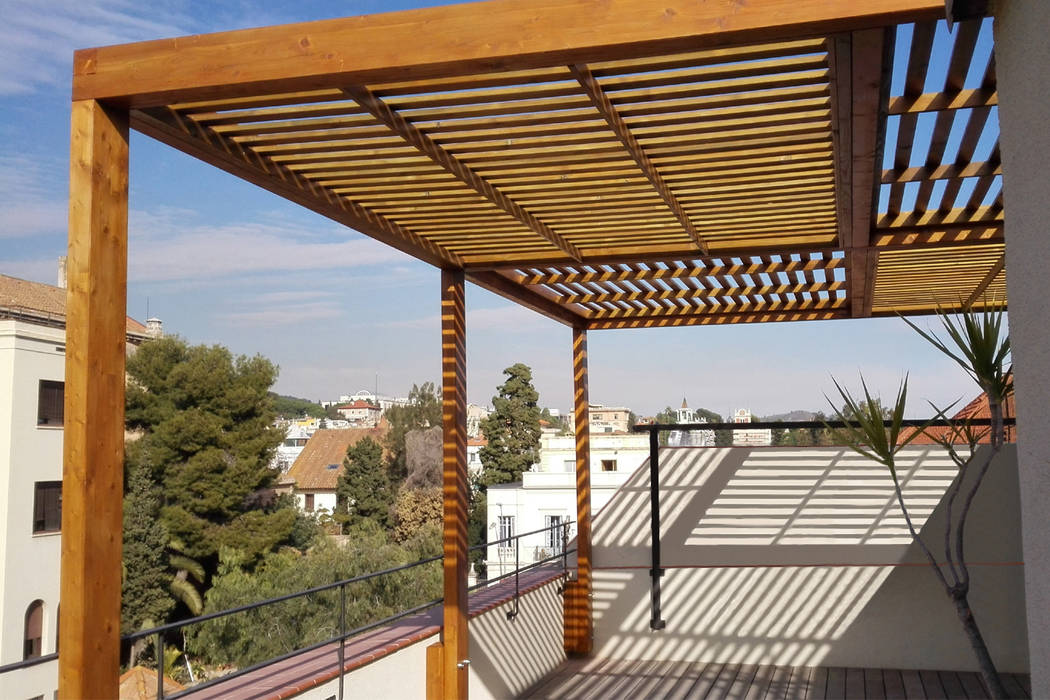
578	621
92	482
454	639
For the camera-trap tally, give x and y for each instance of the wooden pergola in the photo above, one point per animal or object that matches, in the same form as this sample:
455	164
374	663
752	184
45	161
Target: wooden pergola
607	164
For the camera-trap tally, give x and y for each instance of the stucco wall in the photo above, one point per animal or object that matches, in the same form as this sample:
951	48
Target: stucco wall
800	557
29	563
1022	56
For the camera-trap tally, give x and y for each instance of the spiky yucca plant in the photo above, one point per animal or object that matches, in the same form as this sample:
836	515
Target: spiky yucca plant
976	342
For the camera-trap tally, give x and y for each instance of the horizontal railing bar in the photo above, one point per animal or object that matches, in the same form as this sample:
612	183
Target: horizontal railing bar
28	663
810	424
251	606
524	534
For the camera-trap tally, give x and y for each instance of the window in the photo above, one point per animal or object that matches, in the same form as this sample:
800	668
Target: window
506	531
47	506
34	630
50	406
554	534
569	465
309	503
608	465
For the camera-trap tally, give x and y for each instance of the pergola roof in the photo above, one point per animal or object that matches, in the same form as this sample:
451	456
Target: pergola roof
612	165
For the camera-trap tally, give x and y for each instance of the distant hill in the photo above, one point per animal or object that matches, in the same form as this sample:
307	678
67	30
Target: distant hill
294	407
792	416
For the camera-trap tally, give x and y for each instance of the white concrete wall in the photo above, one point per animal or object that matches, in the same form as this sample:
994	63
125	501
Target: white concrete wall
791	556
1022	56
506	656
29	564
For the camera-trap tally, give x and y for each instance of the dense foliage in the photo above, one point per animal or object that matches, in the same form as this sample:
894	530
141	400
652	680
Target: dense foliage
363	490
253	636
198	471
512	430
293	407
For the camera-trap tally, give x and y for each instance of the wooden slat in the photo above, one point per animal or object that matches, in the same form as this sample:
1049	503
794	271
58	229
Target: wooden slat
836	687
93	436
913	686
992	273
176	131
455	489
818	685
931	684
855	684
953	688
893	685
386	47
701	319
403	128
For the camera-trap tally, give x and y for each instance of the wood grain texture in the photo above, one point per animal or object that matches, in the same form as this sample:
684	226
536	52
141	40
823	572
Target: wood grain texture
93	453
578	620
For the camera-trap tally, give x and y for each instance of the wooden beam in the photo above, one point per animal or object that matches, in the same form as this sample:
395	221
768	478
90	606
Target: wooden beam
93	451
578	617
515	35
718	319
529	298
605	107
933	236
867	63
168	126
426	145
455	642
993	272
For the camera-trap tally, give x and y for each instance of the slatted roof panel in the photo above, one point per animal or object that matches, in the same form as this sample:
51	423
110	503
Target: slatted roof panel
713	186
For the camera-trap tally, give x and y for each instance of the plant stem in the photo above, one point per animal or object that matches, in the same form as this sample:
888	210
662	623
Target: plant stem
980	649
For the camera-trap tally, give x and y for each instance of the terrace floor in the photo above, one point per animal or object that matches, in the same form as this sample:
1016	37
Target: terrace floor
608	678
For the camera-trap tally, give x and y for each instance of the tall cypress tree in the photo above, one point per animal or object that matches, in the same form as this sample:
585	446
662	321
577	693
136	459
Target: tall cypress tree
513	428
363	490
144	590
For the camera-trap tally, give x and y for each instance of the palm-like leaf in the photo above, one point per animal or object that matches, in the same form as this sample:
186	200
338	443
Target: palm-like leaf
188	594
192	567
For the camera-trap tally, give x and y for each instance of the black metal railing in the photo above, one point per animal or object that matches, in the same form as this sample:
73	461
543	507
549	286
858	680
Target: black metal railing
559	533
656	622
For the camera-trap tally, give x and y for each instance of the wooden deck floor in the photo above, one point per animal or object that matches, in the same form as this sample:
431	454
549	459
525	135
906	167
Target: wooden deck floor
604	678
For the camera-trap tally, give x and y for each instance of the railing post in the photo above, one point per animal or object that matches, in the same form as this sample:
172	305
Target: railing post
654	498
342	637
159	647
511	614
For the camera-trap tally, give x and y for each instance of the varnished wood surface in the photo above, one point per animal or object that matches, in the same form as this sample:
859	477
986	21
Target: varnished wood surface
601	679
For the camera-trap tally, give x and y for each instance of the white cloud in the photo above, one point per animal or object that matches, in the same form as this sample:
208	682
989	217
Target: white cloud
506	319
282	315
37	39
29	205
169	245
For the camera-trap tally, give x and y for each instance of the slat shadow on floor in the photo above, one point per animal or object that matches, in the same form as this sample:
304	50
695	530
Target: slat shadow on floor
608	678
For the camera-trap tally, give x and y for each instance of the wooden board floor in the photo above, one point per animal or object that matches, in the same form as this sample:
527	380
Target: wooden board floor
605	678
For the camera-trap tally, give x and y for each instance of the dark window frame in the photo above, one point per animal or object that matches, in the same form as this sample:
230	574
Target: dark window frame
47	509
50	408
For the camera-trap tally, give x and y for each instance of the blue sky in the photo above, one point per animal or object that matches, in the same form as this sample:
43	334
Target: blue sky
221	261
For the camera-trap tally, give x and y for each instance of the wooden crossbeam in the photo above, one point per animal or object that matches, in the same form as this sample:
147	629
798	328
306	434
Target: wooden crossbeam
168	126
940	101
515	35
700	319
782	305
605	107
529	298
932	236
406	130
948	171
701	293
993	272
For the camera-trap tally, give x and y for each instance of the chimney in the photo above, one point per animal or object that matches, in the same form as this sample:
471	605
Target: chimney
154	327
62	272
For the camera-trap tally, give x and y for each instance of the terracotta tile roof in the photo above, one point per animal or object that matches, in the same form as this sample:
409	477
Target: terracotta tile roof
140	683
358	404
42	301
327	447
978	408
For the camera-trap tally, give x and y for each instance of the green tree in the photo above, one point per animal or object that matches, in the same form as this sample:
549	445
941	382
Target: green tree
422	411
415	510
363	489
668	416
292	407
512	430
206	438
145	598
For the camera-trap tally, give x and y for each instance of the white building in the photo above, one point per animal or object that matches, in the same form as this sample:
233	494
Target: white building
360	413
291	447
609	419
690	438
750	438
32	382
546	495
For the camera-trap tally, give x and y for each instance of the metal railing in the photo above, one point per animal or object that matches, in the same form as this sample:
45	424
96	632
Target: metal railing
159	633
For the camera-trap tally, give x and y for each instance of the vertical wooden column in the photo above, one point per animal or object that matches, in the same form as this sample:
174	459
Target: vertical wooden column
92	482
454	639
578	620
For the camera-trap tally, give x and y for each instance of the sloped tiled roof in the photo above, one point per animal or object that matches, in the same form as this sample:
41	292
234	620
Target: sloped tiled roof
977	408
43	301
311	470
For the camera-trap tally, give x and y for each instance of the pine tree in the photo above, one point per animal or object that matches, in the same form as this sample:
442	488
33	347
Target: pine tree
512	430
144	590
363	489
